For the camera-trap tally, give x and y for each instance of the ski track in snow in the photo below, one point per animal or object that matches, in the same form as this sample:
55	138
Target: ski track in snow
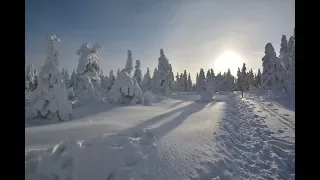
250	150
229	138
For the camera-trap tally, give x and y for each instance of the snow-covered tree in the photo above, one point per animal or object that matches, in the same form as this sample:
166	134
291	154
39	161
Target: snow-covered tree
50	98
283	47
164	77
181	81
65	76
272	75
197	81
290	80
137	73
219	82
242	81
201	81
155	80
177	83
185	81
129	66
147	81
111	80
267	64
126	90
88	86
31	80
118	73
189	84
229	81
258	79
171	76
251	78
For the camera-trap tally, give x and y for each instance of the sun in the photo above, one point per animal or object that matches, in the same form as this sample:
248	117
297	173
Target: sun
228	60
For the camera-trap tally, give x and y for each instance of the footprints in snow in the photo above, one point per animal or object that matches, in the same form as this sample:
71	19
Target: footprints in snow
256	153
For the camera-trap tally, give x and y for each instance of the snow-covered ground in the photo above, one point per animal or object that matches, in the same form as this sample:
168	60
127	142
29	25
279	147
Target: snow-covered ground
178	138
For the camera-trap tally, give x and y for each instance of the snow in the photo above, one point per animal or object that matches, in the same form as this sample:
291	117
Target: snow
177	138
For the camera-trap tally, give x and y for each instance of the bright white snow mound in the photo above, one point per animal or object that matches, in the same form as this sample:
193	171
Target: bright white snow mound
113	157
125	90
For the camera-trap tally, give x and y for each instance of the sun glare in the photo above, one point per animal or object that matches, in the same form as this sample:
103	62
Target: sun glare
229	59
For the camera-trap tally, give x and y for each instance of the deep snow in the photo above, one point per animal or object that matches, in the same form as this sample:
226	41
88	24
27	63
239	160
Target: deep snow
177	138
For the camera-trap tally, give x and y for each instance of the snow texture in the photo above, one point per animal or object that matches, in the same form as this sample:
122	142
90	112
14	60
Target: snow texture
178	138
50	98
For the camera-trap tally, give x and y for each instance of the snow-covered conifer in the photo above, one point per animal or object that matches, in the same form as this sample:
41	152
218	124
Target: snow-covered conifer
88	86
118	73
177	83
137	73
147	81
50	98
155	80
111	80
189	89
129	66
164	71
185	81
201	81
258	79
31	80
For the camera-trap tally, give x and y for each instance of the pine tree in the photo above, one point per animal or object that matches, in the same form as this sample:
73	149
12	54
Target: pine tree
137	73
111	79
31	81
268	67
201	87
147	86
164	77
185	81
118	73
129	67
88	86
181	83
50	98
197	81
155	80
177	83
189	89
242	81
258	79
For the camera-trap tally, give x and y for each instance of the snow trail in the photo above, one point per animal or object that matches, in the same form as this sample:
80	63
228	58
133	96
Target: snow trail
249	146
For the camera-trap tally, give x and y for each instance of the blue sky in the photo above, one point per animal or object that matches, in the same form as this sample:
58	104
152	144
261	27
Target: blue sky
192	33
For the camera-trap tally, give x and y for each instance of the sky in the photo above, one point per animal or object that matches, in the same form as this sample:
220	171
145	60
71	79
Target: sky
193	34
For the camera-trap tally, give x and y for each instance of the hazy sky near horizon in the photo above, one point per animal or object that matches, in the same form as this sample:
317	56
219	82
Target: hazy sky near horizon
192	33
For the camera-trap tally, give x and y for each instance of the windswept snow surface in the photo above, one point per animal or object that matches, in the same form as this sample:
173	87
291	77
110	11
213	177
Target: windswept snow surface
178	138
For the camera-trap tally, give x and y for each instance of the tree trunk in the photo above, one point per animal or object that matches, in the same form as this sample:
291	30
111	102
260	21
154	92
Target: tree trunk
242	93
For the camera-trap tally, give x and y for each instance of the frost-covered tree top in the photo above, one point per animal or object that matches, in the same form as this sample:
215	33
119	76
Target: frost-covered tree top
89	60
129	66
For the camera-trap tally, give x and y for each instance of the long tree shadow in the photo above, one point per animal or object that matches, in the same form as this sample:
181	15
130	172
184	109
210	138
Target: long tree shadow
167	127
174	123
